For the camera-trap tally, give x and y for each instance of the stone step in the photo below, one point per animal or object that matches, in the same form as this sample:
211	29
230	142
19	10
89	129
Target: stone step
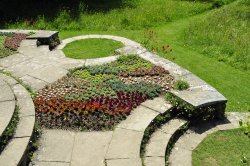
182	152
125	144
7	105
15	151
156	148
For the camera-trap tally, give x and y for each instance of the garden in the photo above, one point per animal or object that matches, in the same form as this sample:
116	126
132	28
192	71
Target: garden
209	38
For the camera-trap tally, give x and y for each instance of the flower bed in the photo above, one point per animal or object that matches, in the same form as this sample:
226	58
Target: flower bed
13	42
99	97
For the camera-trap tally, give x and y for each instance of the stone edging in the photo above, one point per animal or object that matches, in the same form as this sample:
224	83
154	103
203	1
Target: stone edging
182	152
15	152
199	94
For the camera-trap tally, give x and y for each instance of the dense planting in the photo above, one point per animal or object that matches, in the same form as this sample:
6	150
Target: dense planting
13	42
97	97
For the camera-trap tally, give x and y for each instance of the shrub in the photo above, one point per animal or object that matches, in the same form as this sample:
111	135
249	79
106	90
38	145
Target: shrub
181	85
14	41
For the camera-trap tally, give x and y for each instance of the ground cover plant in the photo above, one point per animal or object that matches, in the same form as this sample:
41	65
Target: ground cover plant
3	50
229	147
9	42
91	48
96	97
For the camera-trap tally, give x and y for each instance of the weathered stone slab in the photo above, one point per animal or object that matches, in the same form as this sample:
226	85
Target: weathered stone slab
56	145
6	93
44	163
49	73
9	80
24	68
25	126
100	61
193	80
180	157
157	144
124	162
7	109
31	51
35	83
14	151
158	104
42	34
26	43
90	148
125	144
13	60
139	119
27	107
171	126
154	161
200	96
127	50
20	92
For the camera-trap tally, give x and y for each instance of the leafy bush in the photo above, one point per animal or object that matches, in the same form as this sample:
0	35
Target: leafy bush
14	41
181	85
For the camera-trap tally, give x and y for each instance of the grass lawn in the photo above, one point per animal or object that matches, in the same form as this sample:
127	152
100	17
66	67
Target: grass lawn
223	148
91	48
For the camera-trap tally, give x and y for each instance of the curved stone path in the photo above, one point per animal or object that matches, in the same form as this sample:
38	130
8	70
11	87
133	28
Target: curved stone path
15	96
37	66
182	151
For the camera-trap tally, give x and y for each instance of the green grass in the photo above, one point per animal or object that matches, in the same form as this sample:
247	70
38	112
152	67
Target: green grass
4	52
144	14
223	34
91	48
223	148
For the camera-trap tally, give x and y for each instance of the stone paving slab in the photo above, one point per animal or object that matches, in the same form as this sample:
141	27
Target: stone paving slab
56	145
157	144
24	68
49	74
41	163
7	109
20	92
29	42
139	119
172	125
154	161
124	162
14	151
90	148
35	83
158	104
6	93
201	96
14	59
100	61
8	80
182	159
25	127
124	144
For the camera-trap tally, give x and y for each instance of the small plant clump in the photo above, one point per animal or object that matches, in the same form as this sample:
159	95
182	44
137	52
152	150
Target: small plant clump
95	97
181	85
13	42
